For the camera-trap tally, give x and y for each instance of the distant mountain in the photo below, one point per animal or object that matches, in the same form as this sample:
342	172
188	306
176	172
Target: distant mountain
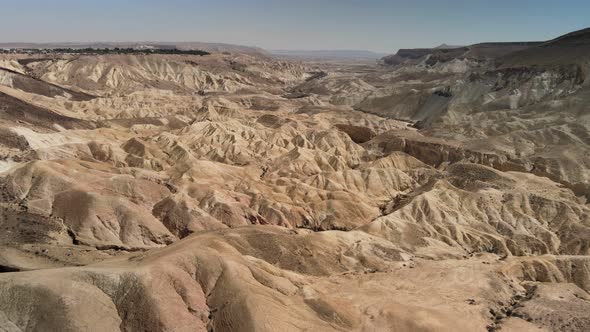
446	46
329	54
209	47
445	52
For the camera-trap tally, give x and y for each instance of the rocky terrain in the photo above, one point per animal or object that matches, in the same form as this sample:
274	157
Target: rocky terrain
440	190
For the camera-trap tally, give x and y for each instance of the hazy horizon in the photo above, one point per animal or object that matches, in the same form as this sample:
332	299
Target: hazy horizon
375	25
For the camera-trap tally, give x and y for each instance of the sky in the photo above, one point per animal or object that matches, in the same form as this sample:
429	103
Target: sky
377	25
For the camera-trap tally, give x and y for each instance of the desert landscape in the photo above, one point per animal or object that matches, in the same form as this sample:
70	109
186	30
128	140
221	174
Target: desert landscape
438	189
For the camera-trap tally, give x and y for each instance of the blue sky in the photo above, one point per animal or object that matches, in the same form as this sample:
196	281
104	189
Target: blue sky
377	25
